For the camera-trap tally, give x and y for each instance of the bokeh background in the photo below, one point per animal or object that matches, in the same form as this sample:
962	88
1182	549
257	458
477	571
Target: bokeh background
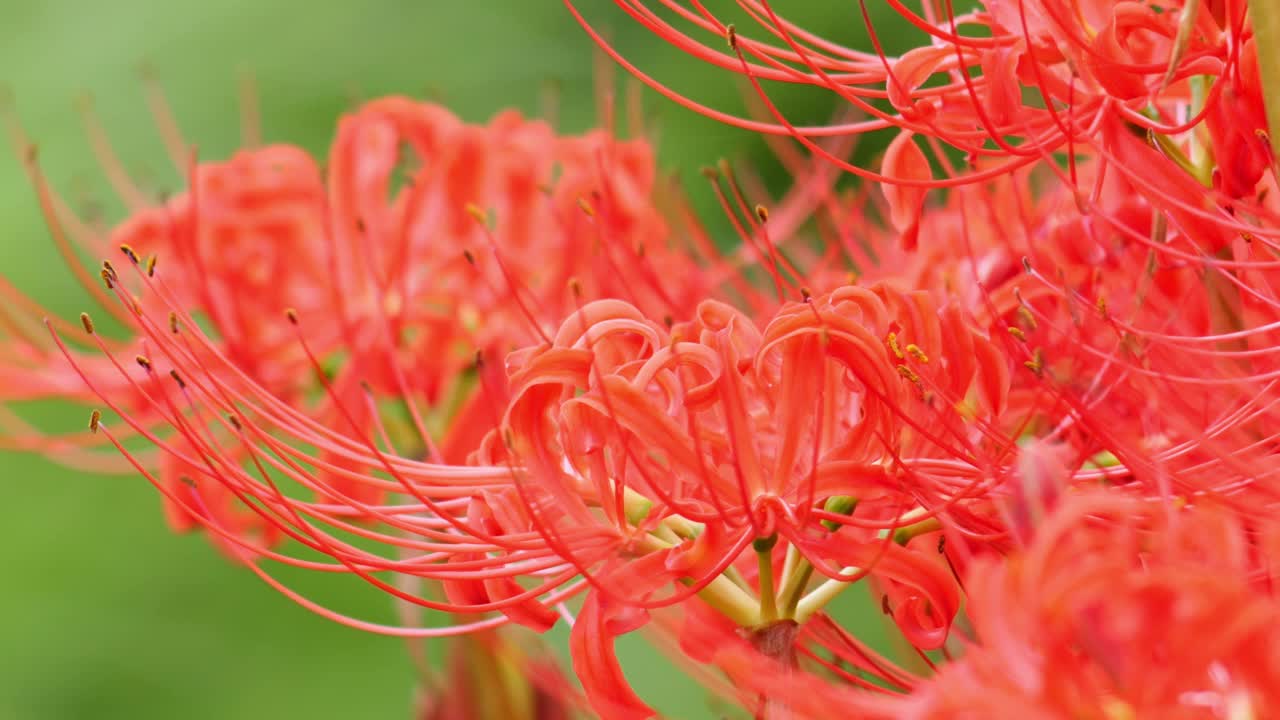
103	612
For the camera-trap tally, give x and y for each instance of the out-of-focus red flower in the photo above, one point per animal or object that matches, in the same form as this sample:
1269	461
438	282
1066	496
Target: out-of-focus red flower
237	246
1238	129
425	241
487	227
1118	609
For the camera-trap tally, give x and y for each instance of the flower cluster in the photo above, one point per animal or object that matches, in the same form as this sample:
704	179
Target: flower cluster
1021	391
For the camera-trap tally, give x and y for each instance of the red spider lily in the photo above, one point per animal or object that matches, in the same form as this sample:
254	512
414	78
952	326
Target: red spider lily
1159	359
1150	357
1120	610
631	461
1193	144
1167	95
638	462
237	244
640	458
1237	127
662	453
388	267
693	444
241	241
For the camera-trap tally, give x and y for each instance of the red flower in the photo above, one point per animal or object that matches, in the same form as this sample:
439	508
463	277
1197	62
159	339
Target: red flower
388	269
638	464
1238	128
1119	610
691	445
1011	85
729	471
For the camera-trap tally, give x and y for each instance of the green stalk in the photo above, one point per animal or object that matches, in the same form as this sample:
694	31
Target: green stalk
732	602
794	587
764	557
729	599
1266	32
821	595
904	534
797	571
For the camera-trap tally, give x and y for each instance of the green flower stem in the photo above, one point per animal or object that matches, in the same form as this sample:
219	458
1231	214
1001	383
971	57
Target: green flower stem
673	528
904	534
722	593
821	596
796	582
764	558
797	571
732	602
801	607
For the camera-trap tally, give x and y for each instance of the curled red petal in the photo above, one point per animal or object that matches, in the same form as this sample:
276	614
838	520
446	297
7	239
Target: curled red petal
596	665
904	160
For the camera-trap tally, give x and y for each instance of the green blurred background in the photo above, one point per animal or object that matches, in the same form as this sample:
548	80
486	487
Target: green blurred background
103	612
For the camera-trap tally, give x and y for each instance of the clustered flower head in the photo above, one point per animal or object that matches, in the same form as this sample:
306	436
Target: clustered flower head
1019	387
